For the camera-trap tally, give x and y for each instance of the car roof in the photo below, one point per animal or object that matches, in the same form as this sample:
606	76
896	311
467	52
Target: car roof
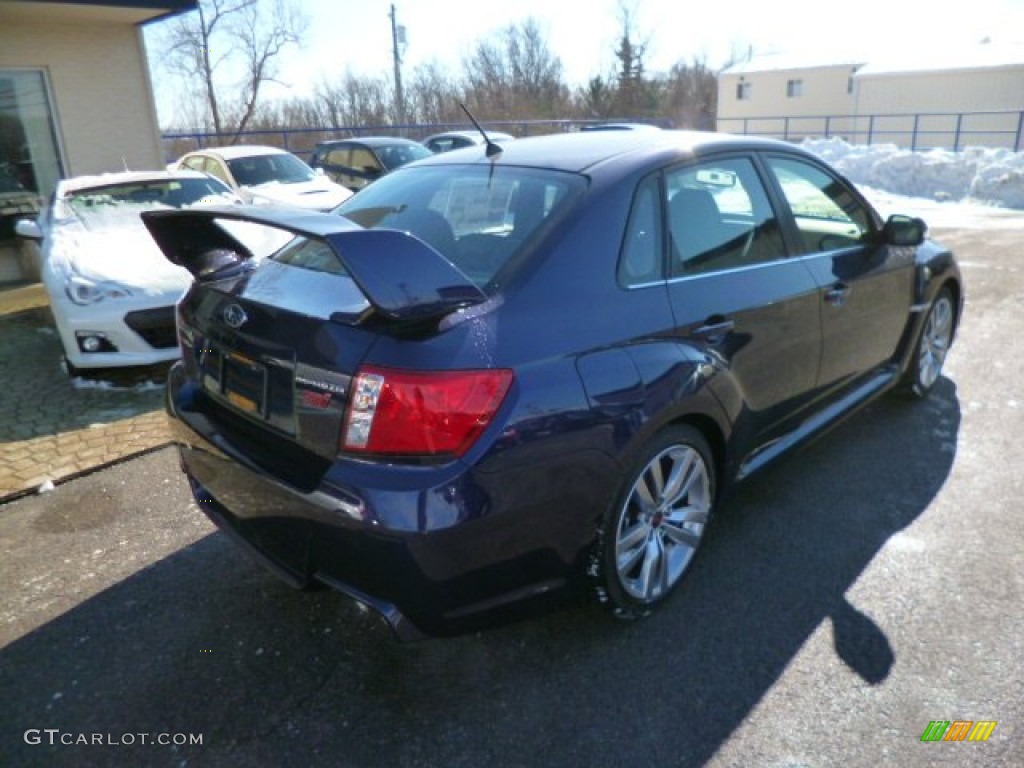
580	152
470	134
619	127
369	141
123	177
241	150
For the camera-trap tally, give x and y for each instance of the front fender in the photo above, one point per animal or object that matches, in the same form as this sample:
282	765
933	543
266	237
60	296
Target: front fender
934	268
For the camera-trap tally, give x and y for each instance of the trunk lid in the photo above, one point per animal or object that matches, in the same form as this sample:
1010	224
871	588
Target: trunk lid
273	344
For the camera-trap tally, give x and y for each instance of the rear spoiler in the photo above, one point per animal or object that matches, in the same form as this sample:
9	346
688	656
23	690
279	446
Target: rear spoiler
401	276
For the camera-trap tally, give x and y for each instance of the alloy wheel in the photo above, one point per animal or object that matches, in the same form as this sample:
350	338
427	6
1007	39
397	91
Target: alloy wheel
935	341
661	523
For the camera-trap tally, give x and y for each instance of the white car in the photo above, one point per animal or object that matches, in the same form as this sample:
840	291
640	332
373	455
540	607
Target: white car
449	140
111	290
619	127
267	176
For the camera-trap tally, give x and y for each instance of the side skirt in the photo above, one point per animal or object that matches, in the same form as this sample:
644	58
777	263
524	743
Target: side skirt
820	422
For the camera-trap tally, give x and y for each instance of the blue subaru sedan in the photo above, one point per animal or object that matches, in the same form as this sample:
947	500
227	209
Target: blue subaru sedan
507	376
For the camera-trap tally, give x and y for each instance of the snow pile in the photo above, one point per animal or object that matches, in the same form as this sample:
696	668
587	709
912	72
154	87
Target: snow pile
990	176
79	382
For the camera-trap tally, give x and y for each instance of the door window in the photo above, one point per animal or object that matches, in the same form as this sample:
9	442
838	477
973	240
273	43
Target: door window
719	217
827	214
338	157
213	167
363	160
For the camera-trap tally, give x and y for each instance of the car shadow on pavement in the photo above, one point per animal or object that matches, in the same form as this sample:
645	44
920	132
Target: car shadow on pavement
204	642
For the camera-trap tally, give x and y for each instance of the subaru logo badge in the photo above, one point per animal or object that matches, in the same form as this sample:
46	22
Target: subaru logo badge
234	315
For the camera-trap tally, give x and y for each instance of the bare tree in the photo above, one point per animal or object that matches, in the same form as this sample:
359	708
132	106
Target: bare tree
433	96
355	100
691	94
596	99
636	94
511	75
515	74
231	47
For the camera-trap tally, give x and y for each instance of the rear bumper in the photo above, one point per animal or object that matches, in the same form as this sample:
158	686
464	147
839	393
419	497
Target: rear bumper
487	566
283	545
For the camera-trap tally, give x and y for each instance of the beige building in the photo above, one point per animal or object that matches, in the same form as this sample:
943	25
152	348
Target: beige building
953	99
75	98
971	97
782	95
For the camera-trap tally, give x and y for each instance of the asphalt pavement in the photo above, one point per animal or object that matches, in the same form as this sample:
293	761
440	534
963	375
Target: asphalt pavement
844	599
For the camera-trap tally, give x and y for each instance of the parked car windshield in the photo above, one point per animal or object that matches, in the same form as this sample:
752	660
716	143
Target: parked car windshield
254	170
477	217
96	206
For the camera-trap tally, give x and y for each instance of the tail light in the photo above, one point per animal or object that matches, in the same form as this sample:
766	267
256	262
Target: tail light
421	412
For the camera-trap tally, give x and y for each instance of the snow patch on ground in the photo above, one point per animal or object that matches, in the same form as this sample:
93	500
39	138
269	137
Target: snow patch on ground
80	382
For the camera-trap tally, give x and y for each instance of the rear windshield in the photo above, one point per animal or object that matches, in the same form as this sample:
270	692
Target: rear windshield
396	155
477	217
314	255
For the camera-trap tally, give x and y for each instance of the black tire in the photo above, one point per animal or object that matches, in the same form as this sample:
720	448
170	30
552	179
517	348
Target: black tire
932	346
89	374
650	535
72	370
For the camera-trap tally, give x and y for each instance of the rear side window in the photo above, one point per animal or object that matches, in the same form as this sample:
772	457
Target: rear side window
640	262
477	217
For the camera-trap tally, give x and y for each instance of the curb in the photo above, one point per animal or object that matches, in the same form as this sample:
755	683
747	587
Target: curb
15	495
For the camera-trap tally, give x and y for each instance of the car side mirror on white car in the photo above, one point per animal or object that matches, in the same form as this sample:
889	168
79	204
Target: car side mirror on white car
28	229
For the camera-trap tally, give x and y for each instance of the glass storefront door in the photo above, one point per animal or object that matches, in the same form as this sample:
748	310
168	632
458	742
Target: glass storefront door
29	158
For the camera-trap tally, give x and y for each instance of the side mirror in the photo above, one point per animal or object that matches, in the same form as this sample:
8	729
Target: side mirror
319	171
904	230
28	229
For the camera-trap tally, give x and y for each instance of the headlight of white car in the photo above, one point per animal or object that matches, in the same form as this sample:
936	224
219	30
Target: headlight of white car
83	291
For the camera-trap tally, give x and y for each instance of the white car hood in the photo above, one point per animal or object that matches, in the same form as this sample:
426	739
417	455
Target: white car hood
319	193
126	255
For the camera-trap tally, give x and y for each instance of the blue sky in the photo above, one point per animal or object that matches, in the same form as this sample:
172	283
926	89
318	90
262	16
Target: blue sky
355	35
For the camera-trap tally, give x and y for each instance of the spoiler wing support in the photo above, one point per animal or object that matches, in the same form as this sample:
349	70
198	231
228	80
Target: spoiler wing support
402	277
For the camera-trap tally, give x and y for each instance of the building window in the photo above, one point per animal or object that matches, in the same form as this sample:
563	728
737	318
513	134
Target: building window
743	90
794	89
29	161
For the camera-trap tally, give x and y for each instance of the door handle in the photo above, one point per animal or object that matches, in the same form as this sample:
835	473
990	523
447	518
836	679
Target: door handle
713	329
836	295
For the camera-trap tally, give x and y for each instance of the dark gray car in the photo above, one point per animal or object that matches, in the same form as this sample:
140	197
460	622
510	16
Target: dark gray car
354	163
